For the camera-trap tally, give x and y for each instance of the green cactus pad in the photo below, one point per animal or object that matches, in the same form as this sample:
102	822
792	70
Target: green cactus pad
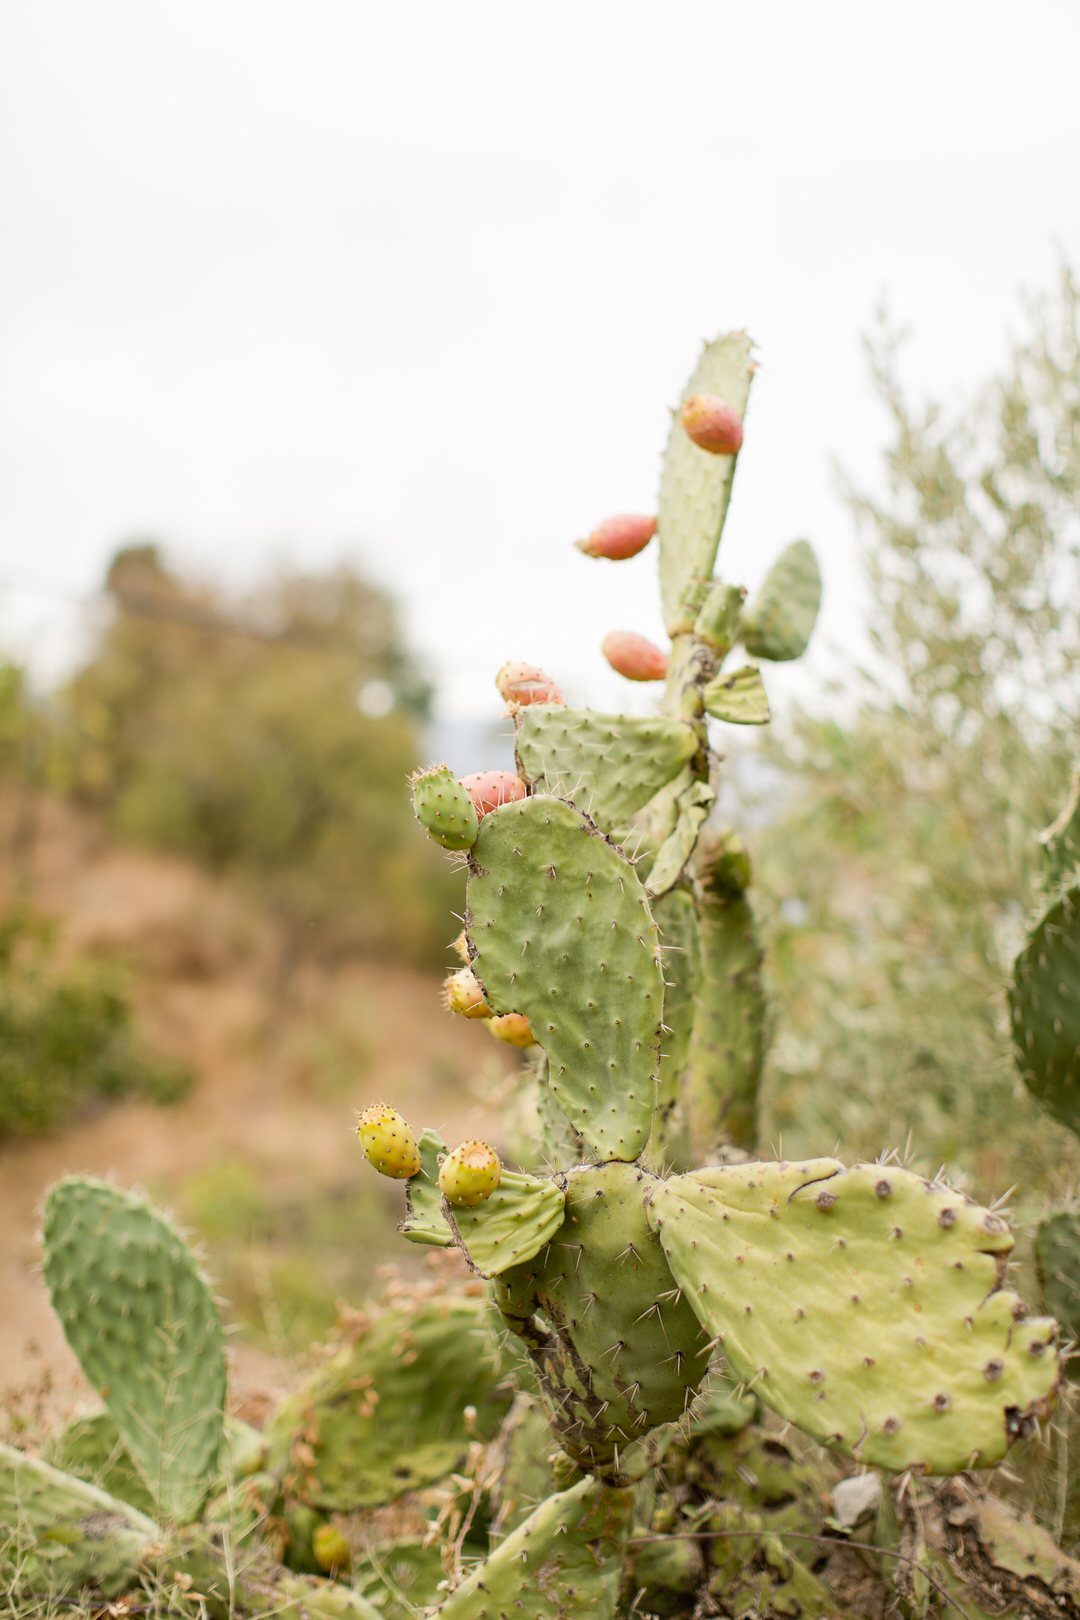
727	1046
563	1563
1057	1258
65	1533
693	806
384	1414
718	618
680	944
513	1225
695	486
739	698
610	765
92	1448
444	808
778	622
865	1305
561	931
1044	999
622	1352
141	1319
1061	840
425	1222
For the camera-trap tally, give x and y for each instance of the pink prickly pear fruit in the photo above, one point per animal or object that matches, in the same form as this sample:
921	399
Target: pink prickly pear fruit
388	1141
618	537
463	994
469	1175
461	946
489	789
513	1028
521	684
331	1548
634	656
712	424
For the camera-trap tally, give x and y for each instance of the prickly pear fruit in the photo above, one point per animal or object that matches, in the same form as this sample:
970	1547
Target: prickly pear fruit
513	1028
712	424
388	1142
331	1548
462	993
489	789
461	946
619	537
469	1175
443	806
633	656
522	684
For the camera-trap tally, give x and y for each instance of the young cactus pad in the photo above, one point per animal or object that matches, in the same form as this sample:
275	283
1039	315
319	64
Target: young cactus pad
779	621
444	807
561	931
140	1317
1044	999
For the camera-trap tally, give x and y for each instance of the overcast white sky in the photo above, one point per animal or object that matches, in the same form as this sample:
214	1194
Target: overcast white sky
416	283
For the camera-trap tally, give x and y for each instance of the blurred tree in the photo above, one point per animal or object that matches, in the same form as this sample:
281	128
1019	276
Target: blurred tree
897	882
233	728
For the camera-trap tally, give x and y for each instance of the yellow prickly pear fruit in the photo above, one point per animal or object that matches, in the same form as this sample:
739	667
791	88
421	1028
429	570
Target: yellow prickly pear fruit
461	945
388	1141
462	994
469	1175
513	1028
331	1549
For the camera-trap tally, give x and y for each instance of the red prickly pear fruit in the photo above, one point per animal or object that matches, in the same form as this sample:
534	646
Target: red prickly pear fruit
489	789
618	537
462	994
521	684
712	424
513	1028
469	1175
461	946
633	656
331	1548
388	1141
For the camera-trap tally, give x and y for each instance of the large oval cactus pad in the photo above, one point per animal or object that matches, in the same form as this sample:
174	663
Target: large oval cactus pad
779	621
611	765
1044	998
561	931
865	1305
140	1317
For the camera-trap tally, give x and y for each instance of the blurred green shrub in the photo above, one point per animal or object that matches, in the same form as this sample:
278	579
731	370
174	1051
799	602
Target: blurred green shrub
232	728
66	1038
898	880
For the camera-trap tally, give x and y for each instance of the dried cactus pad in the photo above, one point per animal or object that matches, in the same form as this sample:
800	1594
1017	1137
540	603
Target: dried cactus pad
865	1305
513	1225
779	621
561	932
141	1318
609	764
1044	998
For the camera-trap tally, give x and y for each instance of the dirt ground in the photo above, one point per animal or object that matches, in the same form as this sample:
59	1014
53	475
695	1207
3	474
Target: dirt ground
282	1061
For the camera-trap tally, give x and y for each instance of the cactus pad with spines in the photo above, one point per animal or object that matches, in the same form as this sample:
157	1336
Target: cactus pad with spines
692	809
865	1305
676	915
1057	1258
561	931
717	622
444	807
738	698
778	622
610	765
695	487
425	1222
141	1319
513	1225
1044	999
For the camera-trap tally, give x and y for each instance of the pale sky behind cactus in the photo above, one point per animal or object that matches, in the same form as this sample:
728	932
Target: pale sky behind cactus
417	283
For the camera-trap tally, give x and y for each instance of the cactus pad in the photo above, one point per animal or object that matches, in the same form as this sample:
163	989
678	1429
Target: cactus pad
680	943
561	932
1057	1258
865	1305
563	1563
692	808
425	1222
738	698
1044	999
778	622
444	807
1061	840
141	1319
695	486
513	1225
718	617
727	1047
611	765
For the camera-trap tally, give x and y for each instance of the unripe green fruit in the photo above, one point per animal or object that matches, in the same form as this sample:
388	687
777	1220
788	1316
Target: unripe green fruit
712	424
331	1549
469	1175
634	656
513	1028
388	1142
462	993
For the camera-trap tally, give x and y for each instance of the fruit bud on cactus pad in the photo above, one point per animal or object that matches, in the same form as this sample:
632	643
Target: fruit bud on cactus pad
489	789
712	424
469	1175
388	1142
462	994
619	537
522	684
633	656
513	1028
